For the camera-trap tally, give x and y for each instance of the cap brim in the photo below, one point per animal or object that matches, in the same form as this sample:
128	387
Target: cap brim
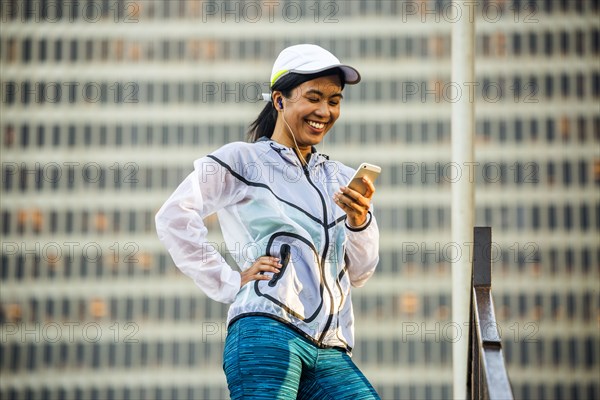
351	75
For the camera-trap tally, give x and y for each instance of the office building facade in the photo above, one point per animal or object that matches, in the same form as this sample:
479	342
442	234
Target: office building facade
105	105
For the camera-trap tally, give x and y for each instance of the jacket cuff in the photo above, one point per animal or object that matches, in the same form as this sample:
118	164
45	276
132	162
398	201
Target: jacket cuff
362	227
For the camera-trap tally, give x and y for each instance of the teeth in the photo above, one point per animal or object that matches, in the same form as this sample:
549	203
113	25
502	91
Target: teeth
317	125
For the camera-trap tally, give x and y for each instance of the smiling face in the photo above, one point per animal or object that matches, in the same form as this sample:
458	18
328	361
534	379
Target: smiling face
310	111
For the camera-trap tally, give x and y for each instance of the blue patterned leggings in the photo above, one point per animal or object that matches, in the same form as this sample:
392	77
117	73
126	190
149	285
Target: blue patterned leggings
265	359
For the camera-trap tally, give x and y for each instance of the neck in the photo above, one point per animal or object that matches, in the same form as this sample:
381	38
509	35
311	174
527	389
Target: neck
283	136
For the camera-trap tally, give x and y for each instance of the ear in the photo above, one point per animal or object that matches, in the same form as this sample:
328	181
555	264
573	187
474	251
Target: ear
278	100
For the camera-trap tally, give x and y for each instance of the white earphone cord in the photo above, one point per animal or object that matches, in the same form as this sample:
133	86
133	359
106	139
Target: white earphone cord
294	138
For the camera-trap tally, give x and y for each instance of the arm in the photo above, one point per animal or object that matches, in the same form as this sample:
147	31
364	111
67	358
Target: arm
362	246
180	227
362	251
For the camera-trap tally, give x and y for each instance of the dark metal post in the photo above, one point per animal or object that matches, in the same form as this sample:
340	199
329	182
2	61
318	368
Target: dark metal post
488	378
482	256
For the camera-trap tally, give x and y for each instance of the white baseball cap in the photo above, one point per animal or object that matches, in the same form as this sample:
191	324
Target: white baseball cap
309	59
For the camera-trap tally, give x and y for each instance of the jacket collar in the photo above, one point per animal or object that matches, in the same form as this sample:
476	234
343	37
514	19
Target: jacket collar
289	155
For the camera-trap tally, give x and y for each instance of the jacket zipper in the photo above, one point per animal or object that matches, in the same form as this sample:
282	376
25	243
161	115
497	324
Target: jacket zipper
324	256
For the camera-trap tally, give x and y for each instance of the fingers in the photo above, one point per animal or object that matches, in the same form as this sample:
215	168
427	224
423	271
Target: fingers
352	199
260	266
355	205
349	203
265	264
370	188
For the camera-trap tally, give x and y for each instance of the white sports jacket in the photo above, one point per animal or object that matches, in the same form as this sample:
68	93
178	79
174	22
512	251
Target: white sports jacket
268	204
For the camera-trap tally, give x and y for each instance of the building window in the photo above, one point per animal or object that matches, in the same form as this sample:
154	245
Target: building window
565	85
564	42
26	52
552	217
516	44
579	42
567	174
548	44
549	86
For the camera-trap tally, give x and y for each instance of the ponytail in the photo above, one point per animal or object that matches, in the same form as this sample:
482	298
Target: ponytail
264	124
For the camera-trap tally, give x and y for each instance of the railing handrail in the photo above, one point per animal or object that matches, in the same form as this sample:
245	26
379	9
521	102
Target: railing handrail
487	377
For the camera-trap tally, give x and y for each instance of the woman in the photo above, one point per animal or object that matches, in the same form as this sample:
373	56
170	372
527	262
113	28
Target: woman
300	237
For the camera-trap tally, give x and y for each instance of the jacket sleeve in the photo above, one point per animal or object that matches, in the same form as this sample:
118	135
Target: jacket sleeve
362	251
180	227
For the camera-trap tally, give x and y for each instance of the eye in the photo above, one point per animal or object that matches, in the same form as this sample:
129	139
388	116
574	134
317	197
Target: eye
313	99
334	103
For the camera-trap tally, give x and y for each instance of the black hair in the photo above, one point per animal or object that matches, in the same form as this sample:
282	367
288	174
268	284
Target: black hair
264	125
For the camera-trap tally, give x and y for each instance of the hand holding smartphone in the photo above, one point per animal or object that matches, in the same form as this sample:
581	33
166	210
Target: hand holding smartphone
365	169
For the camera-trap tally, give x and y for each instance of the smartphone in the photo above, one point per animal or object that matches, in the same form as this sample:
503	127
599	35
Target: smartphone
365	169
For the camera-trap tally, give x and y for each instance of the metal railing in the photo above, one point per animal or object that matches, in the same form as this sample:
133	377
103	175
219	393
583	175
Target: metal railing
486	376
